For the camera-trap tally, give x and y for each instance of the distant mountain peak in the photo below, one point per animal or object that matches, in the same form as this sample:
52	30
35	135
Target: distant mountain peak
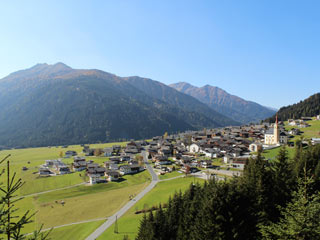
229	105
61	65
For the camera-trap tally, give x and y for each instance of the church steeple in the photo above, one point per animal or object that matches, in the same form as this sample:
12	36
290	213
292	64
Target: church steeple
276	131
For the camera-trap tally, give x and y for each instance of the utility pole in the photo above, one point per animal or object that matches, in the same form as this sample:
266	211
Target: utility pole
116	225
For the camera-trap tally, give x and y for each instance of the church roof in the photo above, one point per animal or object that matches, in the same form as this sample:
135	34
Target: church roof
270	131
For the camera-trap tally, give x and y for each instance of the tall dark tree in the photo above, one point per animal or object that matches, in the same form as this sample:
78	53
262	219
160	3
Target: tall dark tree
283	179
301	217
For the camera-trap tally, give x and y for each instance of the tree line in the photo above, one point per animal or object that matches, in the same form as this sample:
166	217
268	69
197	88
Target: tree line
276	199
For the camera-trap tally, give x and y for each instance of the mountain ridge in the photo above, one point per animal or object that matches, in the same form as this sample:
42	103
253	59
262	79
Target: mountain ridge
227	104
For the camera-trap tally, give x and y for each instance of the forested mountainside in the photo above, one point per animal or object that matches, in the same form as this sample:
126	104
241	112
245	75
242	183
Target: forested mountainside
55	105
309	107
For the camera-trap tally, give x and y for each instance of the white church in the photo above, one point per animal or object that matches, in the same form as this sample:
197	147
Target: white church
272	136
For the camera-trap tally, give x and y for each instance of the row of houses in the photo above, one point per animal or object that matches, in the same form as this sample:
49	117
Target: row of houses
53	167
110	171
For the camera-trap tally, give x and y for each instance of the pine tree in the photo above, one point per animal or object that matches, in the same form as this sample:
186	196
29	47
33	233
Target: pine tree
283	180
8	227
300	219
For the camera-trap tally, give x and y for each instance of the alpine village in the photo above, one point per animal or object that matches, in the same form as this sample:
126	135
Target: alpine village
159	120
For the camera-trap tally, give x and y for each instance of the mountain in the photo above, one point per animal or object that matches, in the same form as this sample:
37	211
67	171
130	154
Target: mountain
309	107
56	105
229	105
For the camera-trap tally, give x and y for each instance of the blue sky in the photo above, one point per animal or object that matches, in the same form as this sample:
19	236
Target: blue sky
264	51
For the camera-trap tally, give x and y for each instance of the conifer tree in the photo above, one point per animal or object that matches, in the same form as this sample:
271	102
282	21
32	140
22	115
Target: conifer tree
283	180
11	224
145	229
301	217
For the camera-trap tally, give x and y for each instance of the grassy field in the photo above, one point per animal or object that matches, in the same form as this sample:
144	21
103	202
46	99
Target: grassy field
170	175
78	231
313	130
85	207
129	223
272	153
81	203
309	132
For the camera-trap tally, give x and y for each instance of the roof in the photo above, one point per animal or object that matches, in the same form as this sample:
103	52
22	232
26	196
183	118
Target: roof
270	131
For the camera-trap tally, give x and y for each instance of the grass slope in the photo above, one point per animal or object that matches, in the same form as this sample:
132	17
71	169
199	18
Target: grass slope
79	231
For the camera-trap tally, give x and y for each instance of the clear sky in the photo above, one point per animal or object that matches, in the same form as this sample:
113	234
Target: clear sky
265	51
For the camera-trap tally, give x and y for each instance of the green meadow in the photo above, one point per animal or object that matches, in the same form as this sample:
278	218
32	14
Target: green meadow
309	132
77	231
272	153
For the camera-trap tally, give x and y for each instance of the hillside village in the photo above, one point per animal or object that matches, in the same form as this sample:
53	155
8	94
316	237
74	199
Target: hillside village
187	152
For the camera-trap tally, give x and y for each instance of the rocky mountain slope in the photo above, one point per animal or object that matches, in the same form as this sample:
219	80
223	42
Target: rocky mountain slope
229	105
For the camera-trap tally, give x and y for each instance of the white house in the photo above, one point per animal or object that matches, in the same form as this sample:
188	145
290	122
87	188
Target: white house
227	158
194	148
254	147
315	141
210	152
95	178
283	138
112	175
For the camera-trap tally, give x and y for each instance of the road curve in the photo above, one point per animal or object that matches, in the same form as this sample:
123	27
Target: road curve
130	204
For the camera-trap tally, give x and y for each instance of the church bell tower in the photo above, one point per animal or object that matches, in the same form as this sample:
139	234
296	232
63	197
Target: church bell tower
276	131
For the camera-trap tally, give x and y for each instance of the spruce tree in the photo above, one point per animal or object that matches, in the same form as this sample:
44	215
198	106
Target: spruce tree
283	179
11	225
300	218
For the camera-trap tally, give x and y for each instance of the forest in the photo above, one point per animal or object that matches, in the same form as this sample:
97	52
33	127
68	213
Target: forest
309	107
276	199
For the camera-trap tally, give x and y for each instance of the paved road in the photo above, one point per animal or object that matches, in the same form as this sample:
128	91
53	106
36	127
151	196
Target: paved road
130	204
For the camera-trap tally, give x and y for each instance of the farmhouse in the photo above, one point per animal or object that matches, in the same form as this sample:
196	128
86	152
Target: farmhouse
70	154
255	147
206	163
63	170
112	175
44	172
79	164
130	169
283	138
96	174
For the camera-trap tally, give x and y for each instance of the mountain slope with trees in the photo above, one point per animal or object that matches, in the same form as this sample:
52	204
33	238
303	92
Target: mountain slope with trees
309	107
57	105
225	103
